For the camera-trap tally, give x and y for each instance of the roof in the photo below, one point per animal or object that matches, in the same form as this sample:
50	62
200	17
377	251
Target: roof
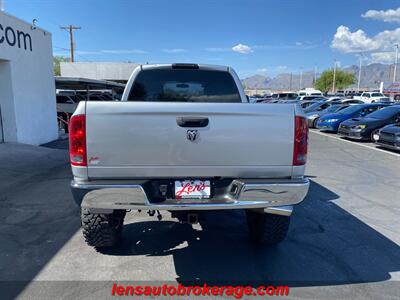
23	21
113	71
76	83
185	66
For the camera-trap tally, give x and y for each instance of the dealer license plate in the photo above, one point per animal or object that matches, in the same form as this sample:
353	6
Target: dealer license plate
192	189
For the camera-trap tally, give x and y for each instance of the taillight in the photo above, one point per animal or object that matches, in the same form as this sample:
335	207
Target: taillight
300	141
77	140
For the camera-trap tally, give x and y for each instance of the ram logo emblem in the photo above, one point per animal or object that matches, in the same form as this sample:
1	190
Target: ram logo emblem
192	135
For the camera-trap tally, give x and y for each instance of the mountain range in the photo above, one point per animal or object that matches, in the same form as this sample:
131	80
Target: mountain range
371	77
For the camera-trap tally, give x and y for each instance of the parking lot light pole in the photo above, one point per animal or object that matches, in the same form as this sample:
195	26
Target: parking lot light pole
359	73
395	62
315	75
334	77
301	78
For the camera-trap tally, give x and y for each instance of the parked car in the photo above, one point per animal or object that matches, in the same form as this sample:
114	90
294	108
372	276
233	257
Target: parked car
352	94
372	97
307	103
289	101
317	106
389	137
258	98
306	98
312	117
334	99
178	143
284	96
366	128
350	101
310	92
331	122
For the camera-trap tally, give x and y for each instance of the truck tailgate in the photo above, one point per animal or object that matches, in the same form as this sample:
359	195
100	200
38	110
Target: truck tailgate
143	140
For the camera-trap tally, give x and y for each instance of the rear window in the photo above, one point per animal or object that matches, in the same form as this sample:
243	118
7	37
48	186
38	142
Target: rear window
351	109
182	85
377	95
385	113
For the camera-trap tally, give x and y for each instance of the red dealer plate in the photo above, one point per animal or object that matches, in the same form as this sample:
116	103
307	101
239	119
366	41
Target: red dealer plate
192	189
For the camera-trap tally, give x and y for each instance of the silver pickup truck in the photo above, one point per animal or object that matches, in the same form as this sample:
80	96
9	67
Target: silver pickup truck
183	139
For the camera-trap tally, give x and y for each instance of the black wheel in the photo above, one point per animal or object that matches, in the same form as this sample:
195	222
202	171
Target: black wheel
314	124
102	230
265	228
372	135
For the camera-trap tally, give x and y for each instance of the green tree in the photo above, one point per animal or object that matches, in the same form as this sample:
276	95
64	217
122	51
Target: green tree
56	64
325	81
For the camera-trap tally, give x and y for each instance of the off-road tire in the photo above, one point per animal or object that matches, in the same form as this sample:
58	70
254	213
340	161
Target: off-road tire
267	229
102	230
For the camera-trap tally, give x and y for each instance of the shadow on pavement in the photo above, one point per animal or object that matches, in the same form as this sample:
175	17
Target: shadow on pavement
37	214
325	246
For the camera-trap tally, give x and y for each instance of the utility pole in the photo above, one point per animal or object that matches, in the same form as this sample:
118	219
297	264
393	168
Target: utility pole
395	62
334	77
1	5
71	29
359	73
290	82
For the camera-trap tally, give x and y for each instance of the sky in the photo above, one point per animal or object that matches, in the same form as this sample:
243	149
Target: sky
252	36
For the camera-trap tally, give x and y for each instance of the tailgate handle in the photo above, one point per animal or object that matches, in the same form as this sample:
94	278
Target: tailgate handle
192	122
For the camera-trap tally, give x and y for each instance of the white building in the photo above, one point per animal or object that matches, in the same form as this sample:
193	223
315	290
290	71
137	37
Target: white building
119	72
27	91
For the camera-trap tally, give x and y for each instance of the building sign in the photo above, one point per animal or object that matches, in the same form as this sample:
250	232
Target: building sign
15	38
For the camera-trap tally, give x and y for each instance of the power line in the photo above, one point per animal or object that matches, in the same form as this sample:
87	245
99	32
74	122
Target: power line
71	29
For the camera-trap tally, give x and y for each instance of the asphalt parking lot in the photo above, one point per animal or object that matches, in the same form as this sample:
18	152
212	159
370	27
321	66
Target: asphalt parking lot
344	239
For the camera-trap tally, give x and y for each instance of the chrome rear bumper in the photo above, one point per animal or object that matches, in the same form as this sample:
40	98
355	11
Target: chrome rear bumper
275	196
